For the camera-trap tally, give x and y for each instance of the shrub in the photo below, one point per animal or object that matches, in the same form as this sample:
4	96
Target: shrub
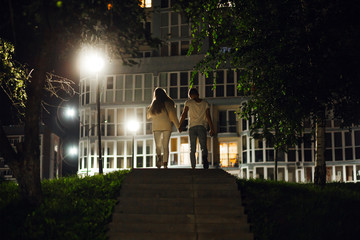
73	208
279	210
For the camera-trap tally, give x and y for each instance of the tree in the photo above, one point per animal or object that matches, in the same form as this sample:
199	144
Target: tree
43	33
298	60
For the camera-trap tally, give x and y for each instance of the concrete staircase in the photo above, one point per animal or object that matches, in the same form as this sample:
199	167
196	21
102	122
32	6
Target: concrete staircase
179	204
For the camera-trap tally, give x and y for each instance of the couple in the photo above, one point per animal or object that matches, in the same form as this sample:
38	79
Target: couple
162	112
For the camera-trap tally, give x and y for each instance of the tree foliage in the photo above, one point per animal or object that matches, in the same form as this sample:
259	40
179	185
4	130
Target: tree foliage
298	59
119	24
46	33
13	76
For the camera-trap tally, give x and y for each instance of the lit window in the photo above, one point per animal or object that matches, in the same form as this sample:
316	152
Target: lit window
149	153
146	3
184	151
228	154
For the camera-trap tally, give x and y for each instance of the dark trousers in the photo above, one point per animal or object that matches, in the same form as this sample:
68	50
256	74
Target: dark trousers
201	133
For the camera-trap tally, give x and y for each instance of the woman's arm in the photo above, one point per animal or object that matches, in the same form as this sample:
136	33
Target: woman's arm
172	115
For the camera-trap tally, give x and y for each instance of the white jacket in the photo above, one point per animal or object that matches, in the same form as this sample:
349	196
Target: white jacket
162	121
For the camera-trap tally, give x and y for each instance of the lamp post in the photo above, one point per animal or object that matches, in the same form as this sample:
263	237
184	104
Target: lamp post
99	125
133	126
94	63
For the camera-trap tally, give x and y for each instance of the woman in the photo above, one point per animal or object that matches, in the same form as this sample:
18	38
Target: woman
162	112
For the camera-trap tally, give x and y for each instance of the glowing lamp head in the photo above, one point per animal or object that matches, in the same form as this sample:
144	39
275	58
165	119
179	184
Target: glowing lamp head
70	112
73	151
92	61
133	126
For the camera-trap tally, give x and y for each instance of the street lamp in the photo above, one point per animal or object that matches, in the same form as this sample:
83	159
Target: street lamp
94	62
70	112
133	126
62	114
73	151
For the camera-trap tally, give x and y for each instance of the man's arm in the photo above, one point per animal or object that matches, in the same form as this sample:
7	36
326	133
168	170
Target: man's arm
183	116
208	118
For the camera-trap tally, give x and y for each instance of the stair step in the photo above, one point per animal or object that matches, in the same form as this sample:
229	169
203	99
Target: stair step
234	203
178	227
156	187
225	236
178	190
148	193
223	228
178	171
152	236
139	174
212	211
158	179
182	204
173	193
179	218
150	205
180	236
153	227
222	218
153	218
176	206
179	179
181	186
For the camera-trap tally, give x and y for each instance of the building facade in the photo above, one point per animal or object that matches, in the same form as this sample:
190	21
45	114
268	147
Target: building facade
298	164
50	158
127	91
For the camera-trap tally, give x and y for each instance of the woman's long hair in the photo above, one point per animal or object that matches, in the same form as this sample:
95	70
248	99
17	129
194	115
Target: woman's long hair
158	102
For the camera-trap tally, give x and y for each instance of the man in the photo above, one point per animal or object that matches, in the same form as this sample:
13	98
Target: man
199	117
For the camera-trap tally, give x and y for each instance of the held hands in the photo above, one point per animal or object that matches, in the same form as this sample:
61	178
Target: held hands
211	132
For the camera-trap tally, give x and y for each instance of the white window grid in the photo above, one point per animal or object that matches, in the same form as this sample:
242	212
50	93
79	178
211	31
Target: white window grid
177	84
230	125
175	28
109	154
345	142
85	91
139	153
129	88
149	153
226	84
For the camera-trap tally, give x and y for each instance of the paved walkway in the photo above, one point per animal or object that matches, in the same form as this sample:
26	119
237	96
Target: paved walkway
179	204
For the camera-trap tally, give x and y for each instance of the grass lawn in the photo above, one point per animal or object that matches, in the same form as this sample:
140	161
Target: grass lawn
289	211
